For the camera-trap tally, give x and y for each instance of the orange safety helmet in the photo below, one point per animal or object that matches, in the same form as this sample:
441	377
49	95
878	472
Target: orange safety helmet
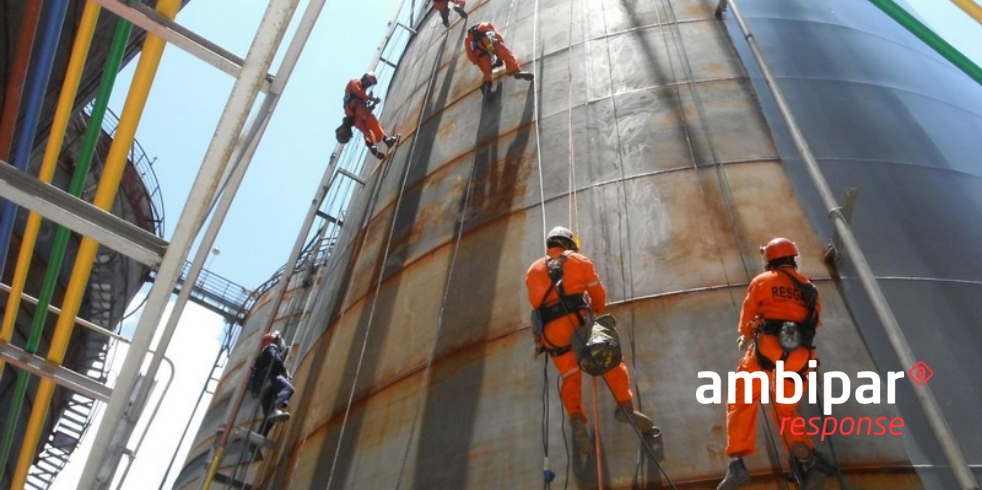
270	338
369	79
563	237
779	248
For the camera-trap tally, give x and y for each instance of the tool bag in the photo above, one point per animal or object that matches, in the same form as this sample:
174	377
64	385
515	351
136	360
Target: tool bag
597	346
343	132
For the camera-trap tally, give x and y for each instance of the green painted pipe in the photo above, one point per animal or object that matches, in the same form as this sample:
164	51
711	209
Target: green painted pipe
92	133
924	33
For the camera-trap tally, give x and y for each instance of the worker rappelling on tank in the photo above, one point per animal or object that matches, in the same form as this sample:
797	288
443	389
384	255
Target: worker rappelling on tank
777	323
485	47
359	103
443	7
565	293
271	366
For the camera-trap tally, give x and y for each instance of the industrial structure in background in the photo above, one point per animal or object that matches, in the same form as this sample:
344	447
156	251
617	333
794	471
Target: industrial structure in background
115	278
675	137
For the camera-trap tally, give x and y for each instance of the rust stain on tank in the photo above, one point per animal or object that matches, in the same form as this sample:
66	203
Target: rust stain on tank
447	130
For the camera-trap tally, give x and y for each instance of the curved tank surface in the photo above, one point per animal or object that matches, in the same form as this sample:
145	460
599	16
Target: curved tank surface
648	133
899	123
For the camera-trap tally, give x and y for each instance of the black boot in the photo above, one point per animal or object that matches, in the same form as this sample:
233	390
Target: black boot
375	151
460	10
736	475
523	75
389	141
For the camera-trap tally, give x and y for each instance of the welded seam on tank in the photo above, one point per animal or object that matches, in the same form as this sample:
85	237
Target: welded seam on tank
892	87
529	207
902	164
736	224
381	269
574	215
545	55
688	136
424	383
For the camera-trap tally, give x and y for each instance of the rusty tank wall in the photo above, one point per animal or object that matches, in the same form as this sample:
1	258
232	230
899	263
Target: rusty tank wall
648	136
889	116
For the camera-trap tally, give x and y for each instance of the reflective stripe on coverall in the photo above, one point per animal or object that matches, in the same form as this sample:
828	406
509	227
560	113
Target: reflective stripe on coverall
770	296
579	276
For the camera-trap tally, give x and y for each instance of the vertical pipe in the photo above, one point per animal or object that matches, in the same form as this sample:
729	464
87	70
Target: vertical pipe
60	244
18	72
32	112
933	40
73	75
953	453
110	438
116	161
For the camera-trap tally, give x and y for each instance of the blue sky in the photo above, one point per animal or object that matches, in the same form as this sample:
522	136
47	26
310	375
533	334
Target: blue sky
184	107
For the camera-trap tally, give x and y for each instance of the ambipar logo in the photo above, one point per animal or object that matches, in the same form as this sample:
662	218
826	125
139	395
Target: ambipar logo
866	393
836	390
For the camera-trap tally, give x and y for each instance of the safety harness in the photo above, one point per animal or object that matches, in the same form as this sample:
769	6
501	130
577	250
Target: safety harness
792	335
544	314
476	34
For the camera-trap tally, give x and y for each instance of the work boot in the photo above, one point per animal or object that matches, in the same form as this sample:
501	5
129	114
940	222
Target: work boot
389	141
736	475
460	10
497	63
813	464
375	151
523	75
581	438
278	416
626	410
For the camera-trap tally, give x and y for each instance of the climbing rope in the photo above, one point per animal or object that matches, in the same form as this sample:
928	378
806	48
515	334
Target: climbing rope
462	220
378	287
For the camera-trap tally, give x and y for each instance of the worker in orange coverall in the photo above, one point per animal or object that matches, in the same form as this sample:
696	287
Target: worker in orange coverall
358	105
565	290
777	323
485	47
442	7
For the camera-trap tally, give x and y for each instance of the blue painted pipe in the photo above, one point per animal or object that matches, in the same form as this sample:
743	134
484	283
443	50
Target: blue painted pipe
53	24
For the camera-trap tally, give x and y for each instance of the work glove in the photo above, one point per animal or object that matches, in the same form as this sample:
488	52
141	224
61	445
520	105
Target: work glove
743	343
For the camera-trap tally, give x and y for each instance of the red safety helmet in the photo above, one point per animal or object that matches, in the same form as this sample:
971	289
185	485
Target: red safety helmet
270	338
779	248
369	79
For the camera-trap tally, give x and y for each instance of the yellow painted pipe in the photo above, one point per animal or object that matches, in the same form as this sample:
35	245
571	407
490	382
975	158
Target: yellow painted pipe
971	8
219	454
136	100
63	112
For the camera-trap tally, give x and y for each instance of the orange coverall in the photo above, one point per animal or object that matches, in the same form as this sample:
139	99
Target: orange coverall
481	58
770	296
356	107
579	276
441	5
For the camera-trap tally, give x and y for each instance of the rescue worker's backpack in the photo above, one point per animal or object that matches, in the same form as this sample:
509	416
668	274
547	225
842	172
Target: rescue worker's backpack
343	132
597	346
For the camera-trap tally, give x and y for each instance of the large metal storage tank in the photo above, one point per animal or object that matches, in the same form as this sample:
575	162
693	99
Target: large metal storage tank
648	135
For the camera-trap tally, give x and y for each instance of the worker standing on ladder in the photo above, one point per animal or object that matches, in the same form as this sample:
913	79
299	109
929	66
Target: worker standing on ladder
443	7
359	103
565	292
271	365
777	323
485	47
